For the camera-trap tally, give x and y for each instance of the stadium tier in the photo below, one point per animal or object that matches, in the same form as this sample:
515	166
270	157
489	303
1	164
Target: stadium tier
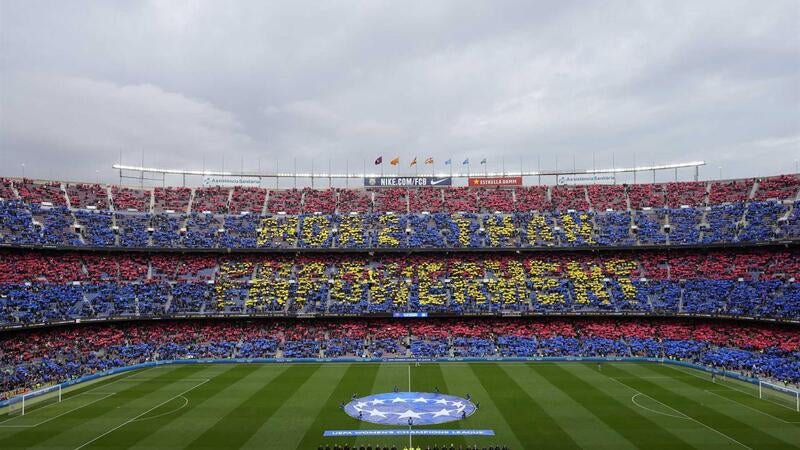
33	358
40	287
35	213
95	278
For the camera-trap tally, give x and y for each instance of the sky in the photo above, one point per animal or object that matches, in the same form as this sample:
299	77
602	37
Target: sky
241	84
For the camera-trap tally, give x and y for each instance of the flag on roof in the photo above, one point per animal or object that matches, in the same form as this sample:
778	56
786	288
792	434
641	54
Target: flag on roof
379	161
466	161
448	162
395	161
414	162
429	160
483	161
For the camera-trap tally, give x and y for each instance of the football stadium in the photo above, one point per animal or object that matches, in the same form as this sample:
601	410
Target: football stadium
399	225
635	315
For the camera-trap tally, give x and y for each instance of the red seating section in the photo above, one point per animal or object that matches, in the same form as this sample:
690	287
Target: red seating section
569	197
729	191
322	201
287	201
532	198
391	200
460	199
212	199
352	200
783	187
425	200
646	195
249	199
63	267
6	189
690	194
607	196
172	198
39	192
126	198
220	200
495	199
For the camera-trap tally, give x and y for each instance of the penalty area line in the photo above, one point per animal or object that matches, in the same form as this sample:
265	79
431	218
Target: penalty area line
714	392
140	415
688	417
90	391
56	417
730	387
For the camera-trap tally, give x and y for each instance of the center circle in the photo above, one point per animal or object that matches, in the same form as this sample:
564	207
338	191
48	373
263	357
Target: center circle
422	408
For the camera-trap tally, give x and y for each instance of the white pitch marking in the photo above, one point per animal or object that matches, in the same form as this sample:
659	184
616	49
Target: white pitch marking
56	417
151	379
747	406
633	400
185	402
140	415
409	390
89	391
680	369
687	416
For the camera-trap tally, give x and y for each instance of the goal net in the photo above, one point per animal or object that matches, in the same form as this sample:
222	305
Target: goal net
22	404
780	394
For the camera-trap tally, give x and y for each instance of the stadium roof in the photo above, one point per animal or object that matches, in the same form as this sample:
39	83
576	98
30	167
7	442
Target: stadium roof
358	175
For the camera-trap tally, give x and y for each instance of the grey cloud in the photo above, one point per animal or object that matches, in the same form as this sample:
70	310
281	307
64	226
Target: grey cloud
347	81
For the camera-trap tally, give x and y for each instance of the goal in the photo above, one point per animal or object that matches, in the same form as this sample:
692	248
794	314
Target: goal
21	405
783	395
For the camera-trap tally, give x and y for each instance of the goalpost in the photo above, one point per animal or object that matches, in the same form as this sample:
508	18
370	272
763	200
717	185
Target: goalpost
779	394
20	405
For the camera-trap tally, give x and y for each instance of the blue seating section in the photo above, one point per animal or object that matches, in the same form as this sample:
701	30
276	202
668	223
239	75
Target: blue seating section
23	224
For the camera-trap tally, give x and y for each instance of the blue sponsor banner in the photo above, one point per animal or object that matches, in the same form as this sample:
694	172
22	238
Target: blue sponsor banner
410	314
407	181
412	432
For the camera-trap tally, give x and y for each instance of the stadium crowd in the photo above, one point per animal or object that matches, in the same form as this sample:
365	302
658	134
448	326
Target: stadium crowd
688	213
217	199
33	358
35	225
54	286
68	282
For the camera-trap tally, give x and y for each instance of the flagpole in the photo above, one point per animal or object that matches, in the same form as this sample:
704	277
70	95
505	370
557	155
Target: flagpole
614	165
539	168
556	176
347	171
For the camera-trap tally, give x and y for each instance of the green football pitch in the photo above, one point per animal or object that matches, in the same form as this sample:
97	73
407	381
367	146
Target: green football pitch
543	405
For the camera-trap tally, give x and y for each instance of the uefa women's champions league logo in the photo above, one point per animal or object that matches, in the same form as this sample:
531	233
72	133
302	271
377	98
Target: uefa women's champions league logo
410	408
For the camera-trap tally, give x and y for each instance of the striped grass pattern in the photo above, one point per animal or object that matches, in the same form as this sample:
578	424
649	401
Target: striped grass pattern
566	405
